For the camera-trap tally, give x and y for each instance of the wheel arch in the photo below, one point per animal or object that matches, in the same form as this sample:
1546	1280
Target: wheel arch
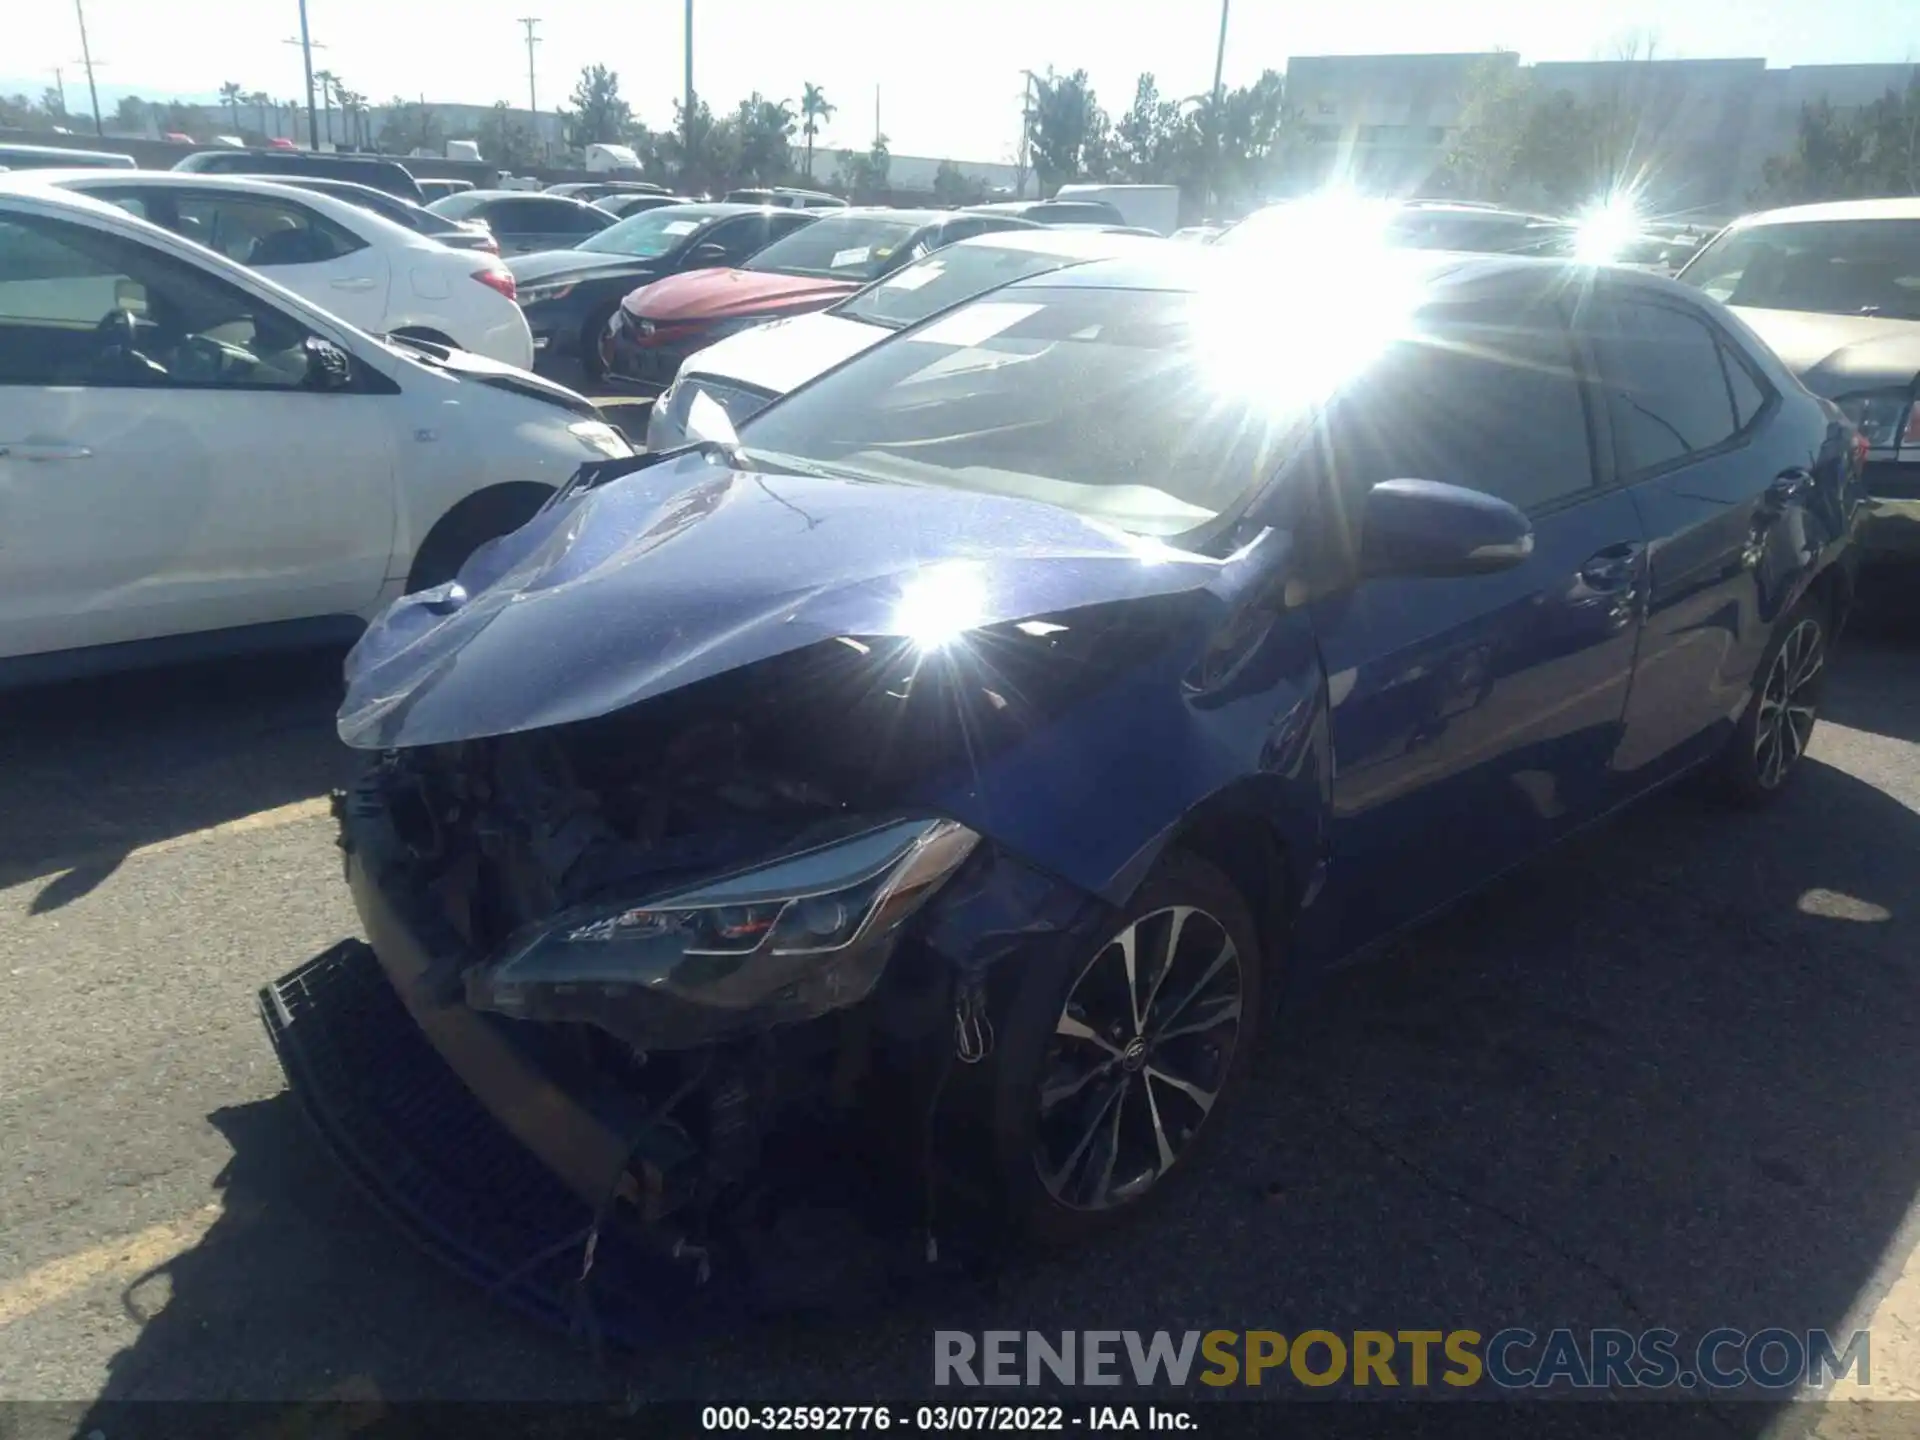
484	513
1239	833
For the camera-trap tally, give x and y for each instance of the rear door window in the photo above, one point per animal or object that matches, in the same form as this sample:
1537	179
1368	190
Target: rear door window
1668	390
253	229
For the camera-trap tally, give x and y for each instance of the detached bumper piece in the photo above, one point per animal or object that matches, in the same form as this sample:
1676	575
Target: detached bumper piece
414	1138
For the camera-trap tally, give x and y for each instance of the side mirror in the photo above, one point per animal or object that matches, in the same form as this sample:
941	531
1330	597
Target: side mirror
1425	527
328	366
706	256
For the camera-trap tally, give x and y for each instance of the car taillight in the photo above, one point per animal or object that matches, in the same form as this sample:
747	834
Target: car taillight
499	279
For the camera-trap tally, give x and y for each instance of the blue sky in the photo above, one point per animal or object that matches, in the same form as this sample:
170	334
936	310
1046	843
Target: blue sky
947	71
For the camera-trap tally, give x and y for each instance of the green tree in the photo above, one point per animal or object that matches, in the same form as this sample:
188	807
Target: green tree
1828	159
504	142
766	130
260	101
703	153
181	119
230	96
953	186
1153	140
1262	142
1891	126
1495	106
863	173
324	82
1063	118
599	116
130	115
814	109
410	127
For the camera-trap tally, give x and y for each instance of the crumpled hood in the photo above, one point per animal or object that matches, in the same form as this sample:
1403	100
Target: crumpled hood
548	266
725	294
688	569
1835	355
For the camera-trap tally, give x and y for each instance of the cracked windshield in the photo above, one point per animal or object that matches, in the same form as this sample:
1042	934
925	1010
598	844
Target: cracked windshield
721	716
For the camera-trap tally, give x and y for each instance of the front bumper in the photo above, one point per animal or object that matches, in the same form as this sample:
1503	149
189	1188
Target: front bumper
653	365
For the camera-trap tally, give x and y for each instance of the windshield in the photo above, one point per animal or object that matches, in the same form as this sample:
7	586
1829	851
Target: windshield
1105	402
1830	267
841	247
943	280
649	234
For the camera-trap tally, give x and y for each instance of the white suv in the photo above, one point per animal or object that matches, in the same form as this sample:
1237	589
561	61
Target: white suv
193	459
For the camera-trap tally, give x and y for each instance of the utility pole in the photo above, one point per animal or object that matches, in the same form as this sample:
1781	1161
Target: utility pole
1213	140
60	84
533	104
876	115
307	46
686	117
86	58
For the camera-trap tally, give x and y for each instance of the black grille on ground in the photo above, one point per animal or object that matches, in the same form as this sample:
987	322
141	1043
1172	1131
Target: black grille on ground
413	1136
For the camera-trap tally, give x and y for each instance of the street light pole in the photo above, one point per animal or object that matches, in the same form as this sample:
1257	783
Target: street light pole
86	58
306	59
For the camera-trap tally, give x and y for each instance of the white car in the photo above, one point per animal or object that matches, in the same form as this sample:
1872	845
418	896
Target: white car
195	460
719	387
377	276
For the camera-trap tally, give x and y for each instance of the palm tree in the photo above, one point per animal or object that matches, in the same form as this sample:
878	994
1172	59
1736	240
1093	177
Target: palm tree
325	80
814	107
260	100
230	96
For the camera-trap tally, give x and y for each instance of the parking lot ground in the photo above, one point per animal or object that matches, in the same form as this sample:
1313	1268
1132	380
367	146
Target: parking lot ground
1665	1076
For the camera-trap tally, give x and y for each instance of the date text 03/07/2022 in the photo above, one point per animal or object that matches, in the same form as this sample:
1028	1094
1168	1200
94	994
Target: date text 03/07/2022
939	1419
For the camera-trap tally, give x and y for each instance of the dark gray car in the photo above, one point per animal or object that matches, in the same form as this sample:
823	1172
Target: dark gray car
524	221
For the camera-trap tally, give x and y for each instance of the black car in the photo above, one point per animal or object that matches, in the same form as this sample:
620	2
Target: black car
570	295
387	175
417	218
621	206
525	220
591	190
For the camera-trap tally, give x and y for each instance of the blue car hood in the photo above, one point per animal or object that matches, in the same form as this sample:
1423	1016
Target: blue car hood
686	569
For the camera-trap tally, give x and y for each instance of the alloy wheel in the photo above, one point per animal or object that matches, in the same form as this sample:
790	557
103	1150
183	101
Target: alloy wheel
1138	1056
1785	722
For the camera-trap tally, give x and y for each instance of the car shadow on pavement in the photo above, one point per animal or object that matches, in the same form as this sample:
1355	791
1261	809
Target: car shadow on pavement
1877	686
93	770
1661	1078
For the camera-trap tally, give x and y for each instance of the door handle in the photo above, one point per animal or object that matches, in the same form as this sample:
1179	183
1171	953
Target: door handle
33	450
1613	568
360	283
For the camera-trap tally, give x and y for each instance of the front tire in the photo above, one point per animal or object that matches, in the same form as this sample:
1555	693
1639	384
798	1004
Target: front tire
1774	732
1115	1058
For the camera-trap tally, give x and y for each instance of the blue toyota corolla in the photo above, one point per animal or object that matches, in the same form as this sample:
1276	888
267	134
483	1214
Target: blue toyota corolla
972	753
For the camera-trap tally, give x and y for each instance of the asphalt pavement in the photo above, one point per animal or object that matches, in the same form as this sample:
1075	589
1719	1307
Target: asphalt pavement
1661	1077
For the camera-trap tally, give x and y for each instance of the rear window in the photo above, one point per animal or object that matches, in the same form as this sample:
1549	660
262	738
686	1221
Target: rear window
1829	267
840	247
944	279
1076	212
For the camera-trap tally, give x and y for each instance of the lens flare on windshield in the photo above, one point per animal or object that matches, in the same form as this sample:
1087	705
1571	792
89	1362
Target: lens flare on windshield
940	605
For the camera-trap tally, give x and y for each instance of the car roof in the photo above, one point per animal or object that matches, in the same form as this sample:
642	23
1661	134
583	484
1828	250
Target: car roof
516	195
888	212
1066	241
1444	274
1905	207
342	212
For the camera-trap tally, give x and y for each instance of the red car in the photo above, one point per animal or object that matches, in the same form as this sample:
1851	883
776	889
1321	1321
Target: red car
660	324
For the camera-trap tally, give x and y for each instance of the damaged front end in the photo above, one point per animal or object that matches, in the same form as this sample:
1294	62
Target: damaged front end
704	908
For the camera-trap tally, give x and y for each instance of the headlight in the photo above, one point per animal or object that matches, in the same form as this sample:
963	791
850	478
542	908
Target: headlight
601	437
1888	419
534	294
786	941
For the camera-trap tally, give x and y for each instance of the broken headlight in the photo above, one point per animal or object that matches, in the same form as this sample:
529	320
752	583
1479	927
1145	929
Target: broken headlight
787	940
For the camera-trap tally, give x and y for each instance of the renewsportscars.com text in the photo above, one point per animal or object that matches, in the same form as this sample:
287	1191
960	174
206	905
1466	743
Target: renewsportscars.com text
1510	1359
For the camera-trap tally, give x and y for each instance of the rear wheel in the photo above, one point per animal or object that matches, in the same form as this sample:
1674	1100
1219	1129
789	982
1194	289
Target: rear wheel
1774	733
1114	1061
